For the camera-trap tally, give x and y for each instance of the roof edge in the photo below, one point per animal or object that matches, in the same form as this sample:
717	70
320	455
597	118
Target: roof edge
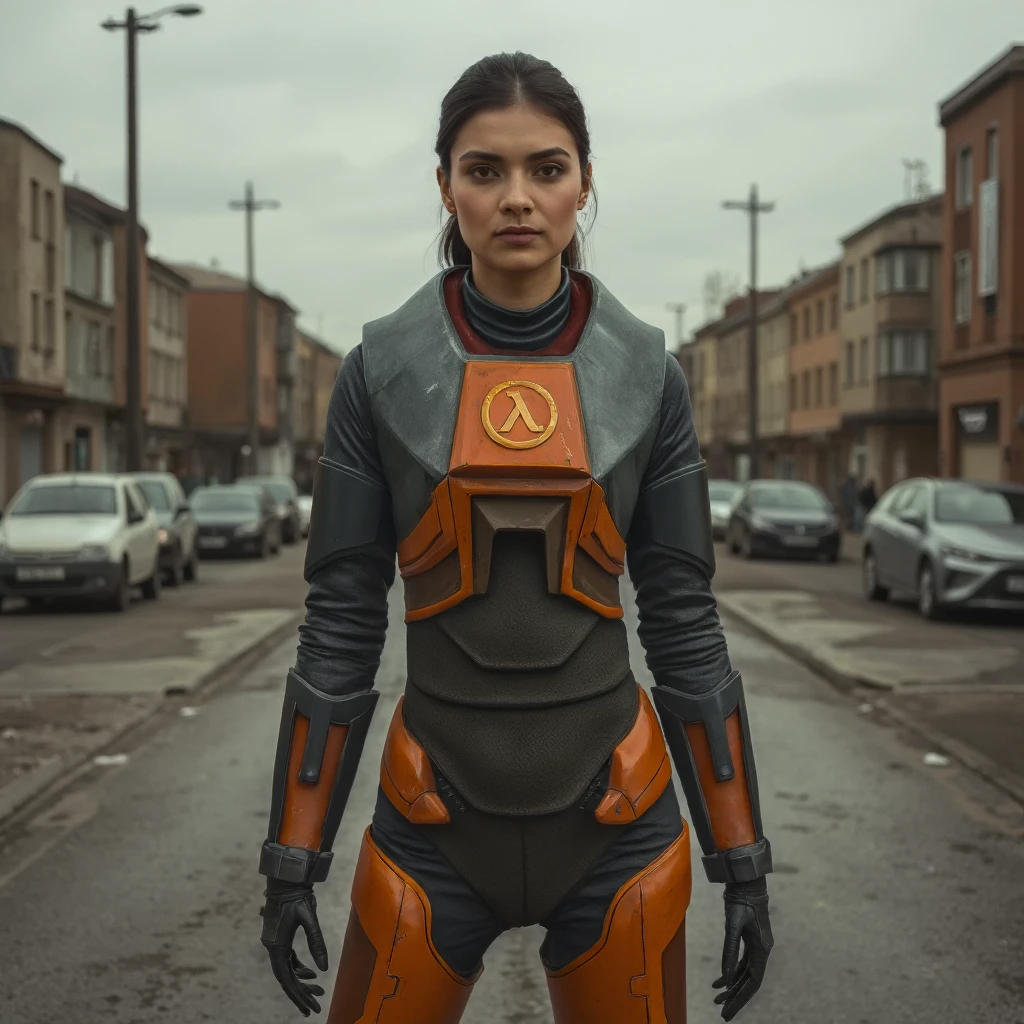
1009	62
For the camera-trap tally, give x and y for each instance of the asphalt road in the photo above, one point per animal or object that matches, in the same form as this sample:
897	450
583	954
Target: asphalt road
897	897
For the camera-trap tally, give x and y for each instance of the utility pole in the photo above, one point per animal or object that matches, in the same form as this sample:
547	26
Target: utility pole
679	308
133	24
250	205
752	207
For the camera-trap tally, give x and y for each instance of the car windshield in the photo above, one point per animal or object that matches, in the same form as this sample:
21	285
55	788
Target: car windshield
719	490
227	500
67	500
156	494
787	496
965	504
280	490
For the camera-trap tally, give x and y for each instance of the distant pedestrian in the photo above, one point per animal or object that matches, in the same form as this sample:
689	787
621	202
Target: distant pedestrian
867	498
848	499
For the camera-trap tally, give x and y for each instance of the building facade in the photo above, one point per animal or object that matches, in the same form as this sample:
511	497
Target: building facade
317	368
888	324
32	349
773	387
981	384
818	447
703	385
167	446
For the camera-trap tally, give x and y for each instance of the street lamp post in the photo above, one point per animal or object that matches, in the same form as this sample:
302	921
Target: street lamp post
133	24
752	207
679	308
251	204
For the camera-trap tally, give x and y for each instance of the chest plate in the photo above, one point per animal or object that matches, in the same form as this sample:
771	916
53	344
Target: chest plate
519	461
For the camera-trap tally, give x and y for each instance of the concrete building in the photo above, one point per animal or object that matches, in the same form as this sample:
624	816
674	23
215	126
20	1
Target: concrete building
167	445
217	367
317	369
773	387
32	351
888	324
981	384
818	448
90	327
703	384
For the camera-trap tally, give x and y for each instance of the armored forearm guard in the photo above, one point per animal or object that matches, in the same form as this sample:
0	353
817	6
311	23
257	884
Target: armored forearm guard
709	737
318	751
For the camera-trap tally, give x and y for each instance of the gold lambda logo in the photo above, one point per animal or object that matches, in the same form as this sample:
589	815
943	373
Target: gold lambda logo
505	402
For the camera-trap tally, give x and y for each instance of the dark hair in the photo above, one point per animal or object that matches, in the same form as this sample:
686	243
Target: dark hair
495	83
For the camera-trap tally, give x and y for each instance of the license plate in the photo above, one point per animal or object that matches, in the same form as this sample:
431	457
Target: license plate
40	572
1015	584
800	542
213	542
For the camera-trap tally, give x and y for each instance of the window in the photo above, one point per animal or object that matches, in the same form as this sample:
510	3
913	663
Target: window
849	363
903	270
964	178
794	327
805	389
35	322
34	210
833	383
883	273
962	287
850	285
807	322
51	328
864	280
903	353
108	355
992	152
50	222
818	387
833	312
821	316
96	268
864	357
92	350
792	392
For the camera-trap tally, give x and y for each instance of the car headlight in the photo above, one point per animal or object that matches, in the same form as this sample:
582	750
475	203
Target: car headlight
93	553
951	551
162	536
248	529
760	523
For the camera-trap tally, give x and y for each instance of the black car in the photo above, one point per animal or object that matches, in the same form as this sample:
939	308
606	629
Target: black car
286	495
236	520
783	518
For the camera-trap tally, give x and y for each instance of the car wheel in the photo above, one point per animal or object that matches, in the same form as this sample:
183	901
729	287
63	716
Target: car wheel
264	546
927	597
192	567
873	591
151	587
176	573
122	595
747	544
730	537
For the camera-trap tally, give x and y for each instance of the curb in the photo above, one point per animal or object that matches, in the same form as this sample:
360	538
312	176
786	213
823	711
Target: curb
1006	781
55	775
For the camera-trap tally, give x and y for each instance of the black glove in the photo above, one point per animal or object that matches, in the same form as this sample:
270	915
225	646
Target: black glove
746	918
288	906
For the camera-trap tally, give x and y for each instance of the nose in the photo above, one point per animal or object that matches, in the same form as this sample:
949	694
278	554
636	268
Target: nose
516	199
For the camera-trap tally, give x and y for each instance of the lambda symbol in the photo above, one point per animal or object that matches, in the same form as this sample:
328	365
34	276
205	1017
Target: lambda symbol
520	411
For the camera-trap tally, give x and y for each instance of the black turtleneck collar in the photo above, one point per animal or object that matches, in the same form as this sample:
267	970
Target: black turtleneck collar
525	329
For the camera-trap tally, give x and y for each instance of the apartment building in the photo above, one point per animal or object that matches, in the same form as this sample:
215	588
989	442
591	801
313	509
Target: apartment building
888	324
981	379
703	386
773	386
317	369
32	353
818	448
167	443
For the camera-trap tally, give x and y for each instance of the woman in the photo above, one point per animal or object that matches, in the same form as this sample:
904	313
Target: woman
514	435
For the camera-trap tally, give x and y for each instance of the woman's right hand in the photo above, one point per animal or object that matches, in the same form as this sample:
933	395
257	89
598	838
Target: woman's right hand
289	907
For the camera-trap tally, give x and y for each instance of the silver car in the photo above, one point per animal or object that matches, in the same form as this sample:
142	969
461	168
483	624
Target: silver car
952	542
723	494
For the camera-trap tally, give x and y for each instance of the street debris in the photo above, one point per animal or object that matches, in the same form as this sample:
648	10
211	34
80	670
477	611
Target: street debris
189	712
934	760
866	709
10	733
110	760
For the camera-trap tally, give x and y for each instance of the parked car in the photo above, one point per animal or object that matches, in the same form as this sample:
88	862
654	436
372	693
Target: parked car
723	494
79	535
236	519
305	503
783	518
178	529
952	542
286	494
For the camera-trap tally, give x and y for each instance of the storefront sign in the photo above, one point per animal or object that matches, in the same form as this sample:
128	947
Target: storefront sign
979	421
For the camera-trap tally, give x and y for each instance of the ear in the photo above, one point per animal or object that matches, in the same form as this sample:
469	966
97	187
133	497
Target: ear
445	185
588	176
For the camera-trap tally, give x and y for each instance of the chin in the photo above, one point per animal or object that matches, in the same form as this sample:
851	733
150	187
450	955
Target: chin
521	261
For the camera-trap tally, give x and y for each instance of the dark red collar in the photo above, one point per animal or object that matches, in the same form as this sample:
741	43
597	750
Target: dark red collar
579	309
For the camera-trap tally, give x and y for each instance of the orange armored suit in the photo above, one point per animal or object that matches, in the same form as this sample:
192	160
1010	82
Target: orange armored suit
525	776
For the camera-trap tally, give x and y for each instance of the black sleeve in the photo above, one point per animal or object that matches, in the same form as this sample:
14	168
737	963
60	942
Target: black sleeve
340	642
679	625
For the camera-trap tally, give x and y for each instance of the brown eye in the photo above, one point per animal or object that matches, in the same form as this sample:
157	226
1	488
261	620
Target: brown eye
481	171
550	170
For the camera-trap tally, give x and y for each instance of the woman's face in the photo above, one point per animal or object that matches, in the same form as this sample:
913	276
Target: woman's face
516	186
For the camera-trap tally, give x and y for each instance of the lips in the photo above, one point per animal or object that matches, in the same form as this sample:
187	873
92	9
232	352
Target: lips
519	231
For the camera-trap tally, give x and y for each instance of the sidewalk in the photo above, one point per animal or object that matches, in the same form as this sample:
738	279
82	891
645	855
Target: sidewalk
961	689
62	703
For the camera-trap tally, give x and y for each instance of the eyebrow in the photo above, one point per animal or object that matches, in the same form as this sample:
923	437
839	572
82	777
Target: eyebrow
544	154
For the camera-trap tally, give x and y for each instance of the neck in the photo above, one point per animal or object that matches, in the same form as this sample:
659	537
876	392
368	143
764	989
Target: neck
517	289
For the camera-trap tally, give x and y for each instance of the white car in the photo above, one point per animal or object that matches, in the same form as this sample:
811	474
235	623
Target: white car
305	502
723	494
87	535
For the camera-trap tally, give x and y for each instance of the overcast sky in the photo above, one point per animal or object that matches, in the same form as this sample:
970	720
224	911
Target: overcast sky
334	113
